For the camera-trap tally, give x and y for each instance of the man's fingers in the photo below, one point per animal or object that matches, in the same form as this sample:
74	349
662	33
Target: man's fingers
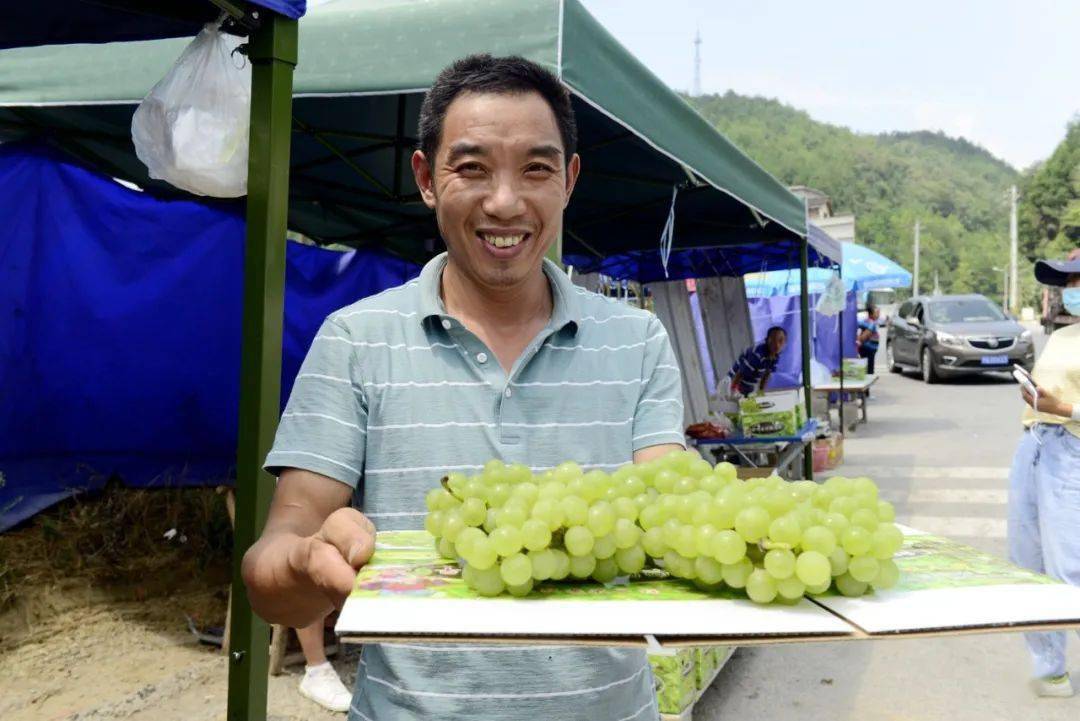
351	533
329	571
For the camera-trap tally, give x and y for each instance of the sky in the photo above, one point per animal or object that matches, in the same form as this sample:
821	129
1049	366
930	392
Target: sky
1004	74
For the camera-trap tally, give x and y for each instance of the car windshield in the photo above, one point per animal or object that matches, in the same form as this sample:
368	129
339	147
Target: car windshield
967	310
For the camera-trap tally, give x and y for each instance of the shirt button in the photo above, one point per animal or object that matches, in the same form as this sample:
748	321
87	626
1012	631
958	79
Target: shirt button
447	324
508	393
481	357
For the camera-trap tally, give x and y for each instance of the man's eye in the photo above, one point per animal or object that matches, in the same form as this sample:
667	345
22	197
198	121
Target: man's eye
539	168
470	168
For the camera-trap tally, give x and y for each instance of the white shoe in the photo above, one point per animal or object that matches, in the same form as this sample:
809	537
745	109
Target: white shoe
322	685
1053	687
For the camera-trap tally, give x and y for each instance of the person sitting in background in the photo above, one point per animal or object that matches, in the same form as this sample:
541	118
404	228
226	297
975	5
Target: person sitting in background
1044	483
757	363
866	342
320	681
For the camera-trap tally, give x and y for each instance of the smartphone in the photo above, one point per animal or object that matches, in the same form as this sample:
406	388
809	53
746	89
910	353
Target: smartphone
1024	378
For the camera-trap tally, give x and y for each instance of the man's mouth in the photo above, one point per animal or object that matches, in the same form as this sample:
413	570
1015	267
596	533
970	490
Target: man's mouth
502	239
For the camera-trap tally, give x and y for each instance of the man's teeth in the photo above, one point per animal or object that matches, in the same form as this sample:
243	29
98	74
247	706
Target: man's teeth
504	241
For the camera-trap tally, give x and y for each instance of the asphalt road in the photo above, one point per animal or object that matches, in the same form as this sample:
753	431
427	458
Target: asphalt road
941	453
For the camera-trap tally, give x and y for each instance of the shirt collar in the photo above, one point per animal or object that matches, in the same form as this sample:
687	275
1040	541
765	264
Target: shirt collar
566	310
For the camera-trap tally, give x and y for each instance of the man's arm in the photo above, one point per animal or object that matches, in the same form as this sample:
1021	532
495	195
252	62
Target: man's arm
648	454
764	380
306	560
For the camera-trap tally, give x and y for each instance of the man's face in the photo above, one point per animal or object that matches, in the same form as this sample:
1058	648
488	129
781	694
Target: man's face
498	184
776	342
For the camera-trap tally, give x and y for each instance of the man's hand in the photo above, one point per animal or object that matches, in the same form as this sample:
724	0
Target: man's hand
305	563
1046	402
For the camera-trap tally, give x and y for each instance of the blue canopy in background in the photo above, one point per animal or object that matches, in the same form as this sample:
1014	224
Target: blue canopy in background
862	269
62	22
120	330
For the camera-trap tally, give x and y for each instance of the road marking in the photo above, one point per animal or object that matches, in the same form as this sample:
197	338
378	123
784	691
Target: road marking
928	472
958	526
947	495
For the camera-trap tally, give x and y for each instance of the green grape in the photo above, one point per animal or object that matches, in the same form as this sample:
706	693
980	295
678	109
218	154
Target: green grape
780	563
582	566
665	480
576	488
703	536
653	542
481	554
562	564
813	569
606	570
511	515
886	541
543	563
703	513
467	538
708	570
888	575
492	520
487	582
686	508
821	498
820	539
726	508
671	529
453	523
819	589
552	491
506	540
632	486
885	511
630	560
651	517
626	533
526	492
550	512
778	502
726	472
856	541
432	500
836	522
786	529
516	569
604	546
433	523
685	542
446	548
843	505
863	568
535	534
791	588
566	472
710	483
685	485
728	547
761	587
735	574
849	586
575	510
861	486
679	566
522	590
473	512
866	518
838	562
625	508
578	541
601	519
752	523
498	494
699	468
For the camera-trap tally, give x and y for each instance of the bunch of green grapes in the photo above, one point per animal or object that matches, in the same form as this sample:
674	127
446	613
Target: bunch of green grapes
775	539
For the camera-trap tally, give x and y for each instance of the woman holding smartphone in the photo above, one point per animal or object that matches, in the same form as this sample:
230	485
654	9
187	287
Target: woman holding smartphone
1044	484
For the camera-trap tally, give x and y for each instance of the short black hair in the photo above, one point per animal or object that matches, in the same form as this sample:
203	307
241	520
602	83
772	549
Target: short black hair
484	73
775	329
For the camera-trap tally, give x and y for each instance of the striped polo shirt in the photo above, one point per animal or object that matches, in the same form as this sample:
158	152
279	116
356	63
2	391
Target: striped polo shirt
395	392
752	365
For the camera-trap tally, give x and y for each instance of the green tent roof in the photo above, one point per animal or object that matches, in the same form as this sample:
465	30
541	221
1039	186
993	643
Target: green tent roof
363	68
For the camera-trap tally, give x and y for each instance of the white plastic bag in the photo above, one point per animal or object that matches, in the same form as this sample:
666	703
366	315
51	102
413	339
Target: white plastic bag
833	298
192	129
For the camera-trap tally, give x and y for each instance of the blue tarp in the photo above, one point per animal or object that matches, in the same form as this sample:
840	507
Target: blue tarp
120	330
863	269
62	22
784	311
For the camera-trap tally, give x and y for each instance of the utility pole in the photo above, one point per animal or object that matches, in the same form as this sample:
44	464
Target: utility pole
915	279
697	63
1014	285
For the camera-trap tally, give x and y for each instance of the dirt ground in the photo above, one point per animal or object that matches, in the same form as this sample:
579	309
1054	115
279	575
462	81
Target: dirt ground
86	654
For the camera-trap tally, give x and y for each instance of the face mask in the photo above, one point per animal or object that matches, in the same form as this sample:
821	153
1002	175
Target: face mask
1070	298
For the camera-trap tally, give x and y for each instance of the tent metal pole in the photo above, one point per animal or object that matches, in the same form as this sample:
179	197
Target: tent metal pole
804	307
840	335
273	53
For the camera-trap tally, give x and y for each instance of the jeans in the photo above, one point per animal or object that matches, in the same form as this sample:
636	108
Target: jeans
868	354
1044	523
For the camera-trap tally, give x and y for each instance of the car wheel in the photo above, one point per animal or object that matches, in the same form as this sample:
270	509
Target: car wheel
890	359
929	372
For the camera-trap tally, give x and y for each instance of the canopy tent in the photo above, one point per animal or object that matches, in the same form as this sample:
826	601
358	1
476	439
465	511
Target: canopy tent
862	269
105	21
361	77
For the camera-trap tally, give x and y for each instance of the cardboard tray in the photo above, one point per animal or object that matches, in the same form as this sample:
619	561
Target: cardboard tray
408	593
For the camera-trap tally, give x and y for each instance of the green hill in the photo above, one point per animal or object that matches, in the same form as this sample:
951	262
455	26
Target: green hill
954	187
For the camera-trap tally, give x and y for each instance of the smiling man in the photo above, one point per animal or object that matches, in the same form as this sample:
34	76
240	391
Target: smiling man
491	353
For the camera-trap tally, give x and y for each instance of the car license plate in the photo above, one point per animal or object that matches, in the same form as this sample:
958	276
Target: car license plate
995	360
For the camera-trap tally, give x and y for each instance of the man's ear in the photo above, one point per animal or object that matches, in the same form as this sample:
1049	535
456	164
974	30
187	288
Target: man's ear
425	178
573	169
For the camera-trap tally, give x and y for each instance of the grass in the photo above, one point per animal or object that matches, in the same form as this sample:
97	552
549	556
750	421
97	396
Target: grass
117	537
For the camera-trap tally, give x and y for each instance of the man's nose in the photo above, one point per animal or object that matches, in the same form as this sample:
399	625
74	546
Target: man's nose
505	200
